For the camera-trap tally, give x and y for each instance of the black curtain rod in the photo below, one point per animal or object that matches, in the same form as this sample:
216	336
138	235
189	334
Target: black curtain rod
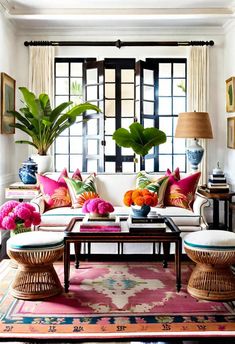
118	43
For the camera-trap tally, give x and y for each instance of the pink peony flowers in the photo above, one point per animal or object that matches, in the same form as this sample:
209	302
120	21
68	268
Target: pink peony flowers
98	206
13	213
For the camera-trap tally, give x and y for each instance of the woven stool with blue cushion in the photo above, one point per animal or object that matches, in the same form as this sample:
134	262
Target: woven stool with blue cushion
214	252
35	253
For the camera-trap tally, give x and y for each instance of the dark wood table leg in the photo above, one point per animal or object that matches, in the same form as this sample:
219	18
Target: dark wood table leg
66	265
77	249
166	253
178	250
215	213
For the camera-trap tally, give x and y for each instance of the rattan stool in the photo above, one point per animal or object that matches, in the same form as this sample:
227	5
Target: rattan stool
35	253
214	252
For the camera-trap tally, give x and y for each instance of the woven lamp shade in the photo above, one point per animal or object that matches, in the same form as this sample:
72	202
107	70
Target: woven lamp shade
194	125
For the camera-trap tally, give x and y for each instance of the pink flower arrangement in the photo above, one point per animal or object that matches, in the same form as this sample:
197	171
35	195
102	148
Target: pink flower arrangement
13	213
98	206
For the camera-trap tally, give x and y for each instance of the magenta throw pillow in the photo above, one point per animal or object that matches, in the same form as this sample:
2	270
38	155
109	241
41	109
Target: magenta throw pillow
181	193
55	193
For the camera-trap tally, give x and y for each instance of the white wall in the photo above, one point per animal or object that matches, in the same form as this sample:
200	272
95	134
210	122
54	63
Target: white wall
8	65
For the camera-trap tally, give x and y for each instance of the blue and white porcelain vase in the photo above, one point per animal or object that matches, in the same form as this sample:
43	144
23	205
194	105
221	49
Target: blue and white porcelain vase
138	211
27	172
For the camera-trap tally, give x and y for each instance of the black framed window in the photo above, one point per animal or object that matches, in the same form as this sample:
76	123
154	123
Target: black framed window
152	92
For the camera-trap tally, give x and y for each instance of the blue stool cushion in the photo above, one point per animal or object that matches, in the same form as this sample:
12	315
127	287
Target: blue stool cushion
210	240
36	240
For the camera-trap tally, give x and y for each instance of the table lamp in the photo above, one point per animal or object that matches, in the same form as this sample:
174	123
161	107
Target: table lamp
194	125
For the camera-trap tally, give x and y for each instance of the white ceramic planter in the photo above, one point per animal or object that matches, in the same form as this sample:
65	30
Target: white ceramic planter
44	162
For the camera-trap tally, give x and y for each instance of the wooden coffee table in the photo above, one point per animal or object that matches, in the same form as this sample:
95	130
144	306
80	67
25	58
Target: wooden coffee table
170	235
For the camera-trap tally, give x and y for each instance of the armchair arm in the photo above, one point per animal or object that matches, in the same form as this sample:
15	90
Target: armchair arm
200	203
39	203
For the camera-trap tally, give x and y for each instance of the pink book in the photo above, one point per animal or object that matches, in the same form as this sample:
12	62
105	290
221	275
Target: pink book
99	228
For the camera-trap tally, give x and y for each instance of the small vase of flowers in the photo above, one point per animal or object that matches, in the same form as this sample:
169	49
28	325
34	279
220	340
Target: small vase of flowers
140	201
18	217
97	207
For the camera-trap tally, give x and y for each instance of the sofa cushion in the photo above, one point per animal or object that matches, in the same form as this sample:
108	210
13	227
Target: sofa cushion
181	216
154	184
80	190
181	193
56	193
173	175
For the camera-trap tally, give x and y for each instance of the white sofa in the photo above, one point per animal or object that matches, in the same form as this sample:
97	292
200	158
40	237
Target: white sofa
112	187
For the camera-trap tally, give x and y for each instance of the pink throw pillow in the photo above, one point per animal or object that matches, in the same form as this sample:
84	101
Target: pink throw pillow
181	193
173	175
56	193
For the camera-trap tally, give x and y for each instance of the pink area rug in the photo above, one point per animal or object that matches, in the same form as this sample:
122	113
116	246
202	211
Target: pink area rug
115	300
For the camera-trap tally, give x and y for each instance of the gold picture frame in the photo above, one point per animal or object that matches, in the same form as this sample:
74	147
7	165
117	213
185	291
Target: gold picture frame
230	94
231	132
7	104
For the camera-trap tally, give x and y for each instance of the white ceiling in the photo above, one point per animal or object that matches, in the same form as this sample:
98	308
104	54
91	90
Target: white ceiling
67	14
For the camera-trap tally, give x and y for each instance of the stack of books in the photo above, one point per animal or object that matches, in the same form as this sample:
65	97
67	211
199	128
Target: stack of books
217	183
100	225
152	223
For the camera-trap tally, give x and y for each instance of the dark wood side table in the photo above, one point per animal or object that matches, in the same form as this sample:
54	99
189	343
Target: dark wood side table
225	197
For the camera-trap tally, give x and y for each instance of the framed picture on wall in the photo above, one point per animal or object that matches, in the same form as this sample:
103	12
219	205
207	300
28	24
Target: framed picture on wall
230	94
231	132
7	103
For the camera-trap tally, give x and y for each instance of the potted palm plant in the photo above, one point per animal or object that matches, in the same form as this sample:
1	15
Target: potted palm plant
42	123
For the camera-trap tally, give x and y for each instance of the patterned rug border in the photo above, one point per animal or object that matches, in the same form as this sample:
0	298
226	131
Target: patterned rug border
106	327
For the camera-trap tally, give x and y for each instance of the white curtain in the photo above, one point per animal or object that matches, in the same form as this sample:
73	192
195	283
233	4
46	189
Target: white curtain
41	70
198	84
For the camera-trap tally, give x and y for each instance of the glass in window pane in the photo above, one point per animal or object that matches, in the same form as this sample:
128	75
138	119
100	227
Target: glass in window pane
148	76
61	86
110	91
179	161
92	146
148	108
92	93
76	100
127	91
178	105
165	162
148	93
76	86
76	145
148	122
91	76
126	151
61	99
179	87
65	133
92	165
165	124
164	87
164	106
75	162
179	70
110	75
61	145
164	70
128	167
110	147
127	107
126	122
93	126
76	69
166	148
76	129
149	165
62	69
110	108
61	161
110	167
127	75
109	126
179	145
